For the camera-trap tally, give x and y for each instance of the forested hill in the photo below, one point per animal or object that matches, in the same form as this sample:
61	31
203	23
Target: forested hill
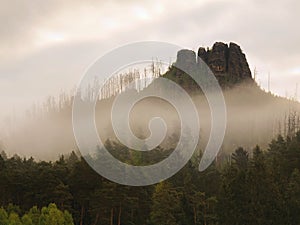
254	116
245	185
258	188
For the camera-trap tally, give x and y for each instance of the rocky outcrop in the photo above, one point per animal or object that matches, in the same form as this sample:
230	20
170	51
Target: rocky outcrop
237	63
186	59
217	58
228	63
226	60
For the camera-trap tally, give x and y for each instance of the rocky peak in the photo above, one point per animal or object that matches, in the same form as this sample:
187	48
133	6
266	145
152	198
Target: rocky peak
186	59
226	60
228	63
217	58
237	62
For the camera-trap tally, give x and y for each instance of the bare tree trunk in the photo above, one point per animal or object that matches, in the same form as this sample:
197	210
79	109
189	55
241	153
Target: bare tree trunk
96	219
112	216
81	215
204	213
119	217
195	215
131	215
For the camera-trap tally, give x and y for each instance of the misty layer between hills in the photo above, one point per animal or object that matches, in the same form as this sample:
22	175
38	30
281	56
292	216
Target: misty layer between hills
253	117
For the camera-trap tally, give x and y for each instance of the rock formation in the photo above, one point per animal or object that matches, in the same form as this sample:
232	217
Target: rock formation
228	63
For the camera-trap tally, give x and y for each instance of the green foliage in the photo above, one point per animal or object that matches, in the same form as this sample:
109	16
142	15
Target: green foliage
34	215
293	197
255	187
50	215
14	219
166	205
3	217
26	220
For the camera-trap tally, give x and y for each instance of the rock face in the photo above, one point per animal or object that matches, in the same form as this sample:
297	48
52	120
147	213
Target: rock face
217	58
186	59
237	63
226	62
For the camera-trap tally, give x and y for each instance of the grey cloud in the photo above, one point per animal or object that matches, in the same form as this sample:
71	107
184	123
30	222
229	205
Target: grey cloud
18	19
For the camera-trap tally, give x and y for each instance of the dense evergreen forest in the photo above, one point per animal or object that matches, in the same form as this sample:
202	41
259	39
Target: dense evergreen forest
247	187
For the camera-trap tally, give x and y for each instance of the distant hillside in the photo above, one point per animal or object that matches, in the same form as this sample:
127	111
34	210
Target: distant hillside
254	116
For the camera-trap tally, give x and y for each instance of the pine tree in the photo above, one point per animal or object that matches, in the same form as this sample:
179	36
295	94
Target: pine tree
14	219
3	217
166	205
26	220
293	197
234	194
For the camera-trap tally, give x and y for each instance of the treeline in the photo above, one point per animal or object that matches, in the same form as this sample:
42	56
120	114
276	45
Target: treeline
50	215
258	188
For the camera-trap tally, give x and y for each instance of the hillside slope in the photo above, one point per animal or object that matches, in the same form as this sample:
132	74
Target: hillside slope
253	116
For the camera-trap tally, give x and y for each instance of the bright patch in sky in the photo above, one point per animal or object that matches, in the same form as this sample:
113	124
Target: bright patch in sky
49	37
109	23
141	13
159	8
295	70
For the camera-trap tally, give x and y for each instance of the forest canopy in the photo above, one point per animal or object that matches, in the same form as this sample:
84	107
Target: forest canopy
258	186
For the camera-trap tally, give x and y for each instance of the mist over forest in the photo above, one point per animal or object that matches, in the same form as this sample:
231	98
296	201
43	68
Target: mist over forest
254	116
149	112
255	178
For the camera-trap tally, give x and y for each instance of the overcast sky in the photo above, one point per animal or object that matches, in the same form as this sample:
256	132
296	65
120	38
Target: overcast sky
45	46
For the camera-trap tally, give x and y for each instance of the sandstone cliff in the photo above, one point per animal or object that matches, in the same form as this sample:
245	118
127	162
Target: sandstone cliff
227	62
